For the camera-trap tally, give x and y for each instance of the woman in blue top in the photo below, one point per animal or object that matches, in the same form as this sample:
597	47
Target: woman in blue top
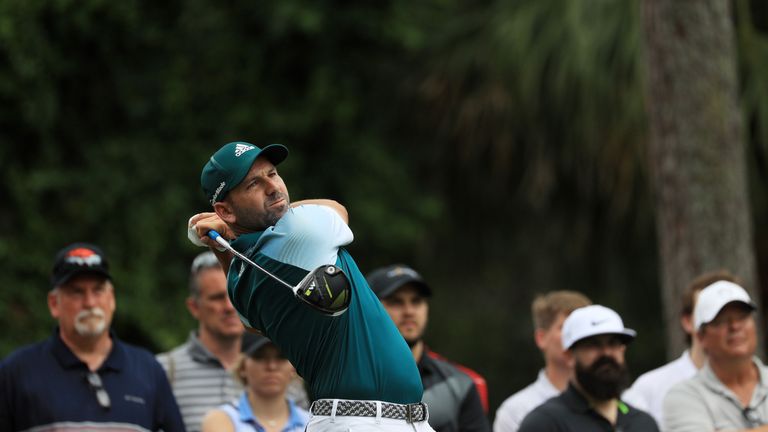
263	407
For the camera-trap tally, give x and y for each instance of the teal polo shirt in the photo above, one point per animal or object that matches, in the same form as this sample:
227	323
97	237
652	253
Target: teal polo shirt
359	355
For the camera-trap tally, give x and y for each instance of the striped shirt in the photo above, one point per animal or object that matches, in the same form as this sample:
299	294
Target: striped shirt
199	381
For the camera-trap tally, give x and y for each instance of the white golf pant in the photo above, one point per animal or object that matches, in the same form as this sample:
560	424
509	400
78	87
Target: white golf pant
334	423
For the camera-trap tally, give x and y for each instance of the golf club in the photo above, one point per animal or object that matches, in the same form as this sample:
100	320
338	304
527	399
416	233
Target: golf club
326	288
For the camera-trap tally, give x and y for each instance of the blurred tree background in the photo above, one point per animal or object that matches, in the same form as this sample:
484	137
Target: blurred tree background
499	147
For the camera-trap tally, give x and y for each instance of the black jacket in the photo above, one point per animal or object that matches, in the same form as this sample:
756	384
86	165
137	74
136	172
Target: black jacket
452	398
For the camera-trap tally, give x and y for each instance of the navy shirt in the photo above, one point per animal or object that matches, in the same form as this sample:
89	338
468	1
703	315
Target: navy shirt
44	386
570	412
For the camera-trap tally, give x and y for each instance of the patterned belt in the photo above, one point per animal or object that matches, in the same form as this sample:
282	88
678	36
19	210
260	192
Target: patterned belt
349	408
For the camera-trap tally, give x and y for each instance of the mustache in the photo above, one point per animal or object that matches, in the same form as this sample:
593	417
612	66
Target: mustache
277	197
605	361
96	312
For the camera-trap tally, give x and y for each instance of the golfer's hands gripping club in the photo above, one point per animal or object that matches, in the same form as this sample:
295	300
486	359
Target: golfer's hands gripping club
199	225
220	240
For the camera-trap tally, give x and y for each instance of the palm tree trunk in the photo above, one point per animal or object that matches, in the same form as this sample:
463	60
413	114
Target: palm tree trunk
697	149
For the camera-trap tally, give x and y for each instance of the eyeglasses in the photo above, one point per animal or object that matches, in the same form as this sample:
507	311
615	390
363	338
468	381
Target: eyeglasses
752	417
94	381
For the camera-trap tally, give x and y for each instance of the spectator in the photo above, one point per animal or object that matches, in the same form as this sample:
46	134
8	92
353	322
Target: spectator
648	391
730	392
548	311
264	406
83	376
595	340
455	401
197	369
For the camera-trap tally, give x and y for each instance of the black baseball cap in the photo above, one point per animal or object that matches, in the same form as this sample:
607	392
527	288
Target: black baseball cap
251	343
385	281
77	259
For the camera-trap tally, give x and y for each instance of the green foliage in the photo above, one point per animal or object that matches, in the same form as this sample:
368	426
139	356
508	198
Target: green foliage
496	146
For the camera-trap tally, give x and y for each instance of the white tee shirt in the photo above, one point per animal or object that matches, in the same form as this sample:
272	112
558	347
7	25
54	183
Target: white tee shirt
514	409
648	391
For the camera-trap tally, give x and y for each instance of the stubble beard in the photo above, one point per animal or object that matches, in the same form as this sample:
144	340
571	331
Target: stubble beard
252	221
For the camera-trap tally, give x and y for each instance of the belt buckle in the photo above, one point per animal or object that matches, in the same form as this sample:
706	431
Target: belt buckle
410	412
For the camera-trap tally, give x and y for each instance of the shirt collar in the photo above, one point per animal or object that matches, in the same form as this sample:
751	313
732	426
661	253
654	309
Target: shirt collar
198	351
68	360
575	400
544	382
713	382
246	241
295	419
426	363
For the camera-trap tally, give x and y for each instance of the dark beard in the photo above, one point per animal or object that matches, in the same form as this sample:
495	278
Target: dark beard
605	379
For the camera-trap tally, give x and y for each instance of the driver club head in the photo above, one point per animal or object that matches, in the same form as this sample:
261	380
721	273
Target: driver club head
326	289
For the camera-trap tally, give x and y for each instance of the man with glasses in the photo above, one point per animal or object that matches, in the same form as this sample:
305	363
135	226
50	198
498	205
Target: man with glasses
83	376
730	391
595	340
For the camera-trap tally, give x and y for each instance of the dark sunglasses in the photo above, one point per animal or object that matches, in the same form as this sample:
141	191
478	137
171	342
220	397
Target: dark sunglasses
94	381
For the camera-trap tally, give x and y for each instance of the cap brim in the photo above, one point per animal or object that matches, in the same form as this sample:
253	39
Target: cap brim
62	279
627	336
749	304
423	288
276	153
256	346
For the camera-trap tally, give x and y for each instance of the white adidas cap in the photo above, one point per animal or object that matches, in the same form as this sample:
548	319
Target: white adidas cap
713	299
591	321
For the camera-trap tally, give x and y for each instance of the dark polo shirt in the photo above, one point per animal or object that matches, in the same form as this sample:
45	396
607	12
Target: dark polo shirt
44	387
570	412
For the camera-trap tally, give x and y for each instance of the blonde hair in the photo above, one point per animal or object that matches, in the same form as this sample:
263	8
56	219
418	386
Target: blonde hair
237	369
547	307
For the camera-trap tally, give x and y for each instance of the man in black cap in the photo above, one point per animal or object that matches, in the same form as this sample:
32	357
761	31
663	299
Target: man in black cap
83	377
454	401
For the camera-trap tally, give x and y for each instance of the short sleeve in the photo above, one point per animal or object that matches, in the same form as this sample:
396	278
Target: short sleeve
685	411
307	236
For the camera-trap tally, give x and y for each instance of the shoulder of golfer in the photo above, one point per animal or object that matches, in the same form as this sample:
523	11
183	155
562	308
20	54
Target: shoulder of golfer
338	208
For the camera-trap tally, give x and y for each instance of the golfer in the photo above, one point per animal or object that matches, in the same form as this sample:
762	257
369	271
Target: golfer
359	370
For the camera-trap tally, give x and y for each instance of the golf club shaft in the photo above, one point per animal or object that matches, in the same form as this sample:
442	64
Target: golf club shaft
220	240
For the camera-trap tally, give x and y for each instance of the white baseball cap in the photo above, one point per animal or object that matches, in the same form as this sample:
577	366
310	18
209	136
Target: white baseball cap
591	321
713	299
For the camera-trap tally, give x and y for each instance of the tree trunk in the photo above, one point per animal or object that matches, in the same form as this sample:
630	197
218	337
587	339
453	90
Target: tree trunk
697	149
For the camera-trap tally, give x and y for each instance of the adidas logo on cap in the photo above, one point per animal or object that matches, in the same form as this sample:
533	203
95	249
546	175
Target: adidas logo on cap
242	148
